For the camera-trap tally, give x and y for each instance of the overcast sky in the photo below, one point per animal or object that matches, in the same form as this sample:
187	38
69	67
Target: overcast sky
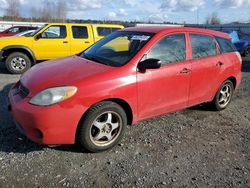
148	10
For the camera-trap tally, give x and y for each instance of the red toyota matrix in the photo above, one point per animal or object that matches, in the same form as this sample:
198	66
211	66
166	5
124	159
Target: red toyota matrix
131	75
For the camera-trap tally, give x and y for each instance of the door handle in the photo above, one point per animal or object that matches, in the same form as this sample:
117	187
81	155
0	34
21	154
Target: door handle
219	64
86	42
185	71
65	42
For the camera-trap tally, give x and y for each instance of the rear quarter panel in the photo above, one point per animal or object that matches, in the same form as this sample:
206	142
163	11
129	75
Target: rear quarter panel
232	68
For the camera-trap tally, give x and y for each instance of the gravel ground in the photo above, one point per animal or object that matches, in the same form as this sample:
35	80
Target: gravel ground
191	148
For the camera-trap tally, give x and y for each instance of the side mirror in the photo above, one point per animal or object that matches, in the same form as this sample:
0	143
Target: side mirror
149	64
38	36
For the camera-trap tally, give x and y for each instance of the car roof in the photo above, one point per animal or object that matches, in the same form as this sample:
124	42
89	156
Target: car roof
23	26
94	24
166	29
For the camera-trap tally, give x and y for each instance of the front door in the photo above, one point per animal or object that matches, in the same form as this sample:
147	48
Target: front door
53	43
165	89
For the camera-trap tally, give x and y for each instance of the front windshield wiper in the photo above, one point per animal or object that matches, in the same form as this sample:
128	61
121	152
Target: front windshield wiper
93	58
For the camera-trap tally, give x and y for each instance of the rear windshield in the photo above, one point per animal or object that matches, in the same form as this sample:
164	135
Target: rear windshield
226	46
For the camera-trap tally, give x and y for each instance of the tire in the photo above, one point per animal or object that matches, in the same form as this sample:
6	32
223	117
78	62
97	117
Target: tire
17	63
103	127
223	96
247	51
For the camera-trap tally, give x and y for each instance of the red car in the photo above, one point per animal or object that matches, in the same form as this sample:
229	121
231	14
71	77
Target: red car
15	30
131	75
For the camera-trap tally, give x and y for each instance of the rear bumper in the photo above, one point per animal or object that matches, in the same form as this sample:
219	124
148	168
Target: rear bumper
52	125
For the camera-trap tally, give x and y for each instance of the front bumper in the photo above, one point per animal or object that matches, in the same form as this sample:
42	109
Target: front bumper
52	125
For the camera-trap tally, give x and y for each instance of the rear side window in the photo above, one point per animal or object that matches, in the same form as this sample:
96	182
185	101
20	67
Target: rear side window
80	32
104	31
226	45
170	49
202	46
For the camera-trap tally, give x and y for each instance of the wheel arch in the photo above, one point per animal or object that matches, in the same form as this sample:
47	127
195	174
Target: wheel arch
233	80
18	48
125	105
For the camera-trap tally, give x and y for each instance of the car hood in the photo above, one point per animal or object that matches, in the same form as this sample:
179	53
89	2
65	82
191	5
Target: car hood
61	72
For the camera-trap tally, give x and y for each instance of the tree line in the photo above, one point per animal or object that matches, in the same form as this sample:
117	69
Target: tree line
56	11
48	12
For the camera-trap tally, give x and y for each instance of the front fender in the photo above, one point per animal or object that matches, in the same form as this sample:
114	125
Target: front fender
21	48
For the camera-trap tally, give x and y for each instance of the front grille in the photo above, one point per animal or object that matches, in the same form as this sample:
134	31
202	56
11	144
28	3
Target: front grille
22	91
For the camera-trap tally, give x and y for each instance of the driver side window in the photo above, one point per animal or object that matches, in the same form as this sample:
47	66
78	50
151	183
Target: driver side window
170	49
55	32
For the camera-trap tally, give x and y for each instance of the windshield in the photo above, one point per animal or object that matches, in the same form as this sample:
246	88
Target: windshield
36	31
117	48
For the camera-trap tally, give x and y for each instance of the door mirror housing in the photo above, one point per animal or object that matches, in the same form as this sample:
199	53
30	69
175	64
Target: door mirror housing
38	36
149	64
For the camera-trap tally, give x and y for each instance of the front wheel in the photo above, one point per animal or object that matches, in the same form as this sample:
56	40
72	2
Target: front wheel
17	63
223	96
102	127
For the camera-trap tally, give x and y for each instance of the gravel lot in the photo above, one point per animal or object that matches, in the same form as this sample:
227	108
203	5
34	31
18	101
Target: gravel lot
191	148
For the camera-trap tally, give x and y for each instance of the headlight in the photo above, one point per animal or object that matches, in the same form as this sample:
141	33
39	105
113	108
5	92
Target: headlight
53	95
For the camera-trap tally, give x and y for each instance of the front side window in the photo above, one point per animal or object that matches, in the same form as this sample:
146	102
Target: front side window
55	32
170	49
118	48
104	31
202	46
80	32
226	45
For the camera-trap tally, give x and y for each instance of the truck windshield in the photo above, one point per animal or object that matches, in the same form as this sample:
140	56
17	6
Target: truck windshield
117	48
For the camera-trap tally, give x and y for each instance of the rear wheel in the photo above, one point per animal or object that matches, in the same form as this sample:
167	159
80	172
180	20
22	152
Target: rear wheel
17	63
103	127
247	51
223	96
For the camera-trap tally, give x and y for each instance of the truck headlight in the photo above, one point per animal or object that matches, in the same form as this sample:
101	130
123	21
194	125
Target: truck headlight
53	95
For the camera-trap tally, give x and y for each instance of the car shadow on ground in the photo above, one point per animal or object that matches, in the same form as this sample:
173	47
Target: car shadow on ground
3	70
246	65
11	141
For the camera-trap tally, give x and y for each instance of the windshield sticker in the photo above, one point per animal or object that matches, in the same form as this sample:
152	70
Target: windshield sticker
140	37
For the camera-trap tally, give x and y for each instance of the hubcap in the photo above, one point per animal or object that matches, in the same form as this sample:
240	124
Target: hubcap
18	63
106	128
225	95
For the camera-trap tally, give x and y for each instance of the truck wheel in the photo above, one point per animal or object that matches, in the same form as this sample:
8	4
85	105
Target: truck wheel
17	63
102	127
223	96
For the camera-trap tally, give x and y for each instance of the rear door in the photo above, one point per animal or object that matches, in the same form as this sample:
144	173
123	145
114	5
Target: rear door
165	89
207	63
81	38
54	43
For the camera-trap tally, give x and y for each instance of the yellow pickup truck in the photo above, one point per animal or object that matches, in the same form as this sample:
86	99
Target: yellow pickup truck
51	41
